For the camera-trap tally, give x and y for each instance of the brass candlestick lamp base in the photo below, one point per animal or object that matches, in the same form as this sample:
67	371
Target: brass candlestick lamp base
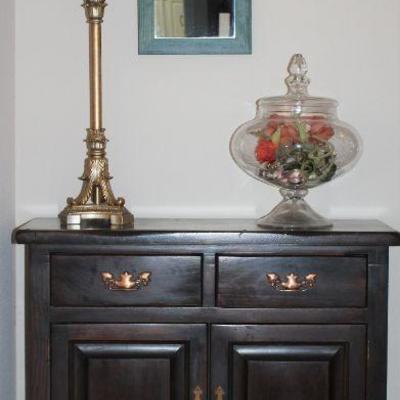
96	202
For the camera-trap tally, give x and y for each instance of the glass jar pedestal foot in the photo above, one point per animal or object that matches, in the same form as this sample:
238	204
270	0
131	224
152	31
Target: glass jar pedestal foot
293	213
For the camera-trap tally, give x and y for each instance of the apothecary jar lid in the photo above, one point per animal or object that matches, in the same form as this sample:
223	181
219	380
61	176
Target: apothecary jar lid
297	100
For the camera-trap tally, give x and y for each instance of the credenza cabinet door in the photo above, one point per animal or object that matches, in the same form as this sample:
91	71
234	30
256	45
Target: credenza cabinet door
128	361
282	362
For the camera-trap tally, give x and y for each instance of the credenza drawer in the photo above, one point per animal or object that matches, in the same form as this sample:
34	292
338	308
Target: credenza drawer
125	280
291	281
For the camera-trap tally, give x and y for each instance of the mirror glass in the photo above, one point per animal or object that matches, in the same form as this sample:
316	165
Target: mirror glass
194	18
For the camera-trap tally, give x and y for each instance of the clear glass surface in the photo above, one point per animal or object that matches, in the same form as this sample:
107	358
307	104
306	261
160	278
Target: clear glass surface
296	142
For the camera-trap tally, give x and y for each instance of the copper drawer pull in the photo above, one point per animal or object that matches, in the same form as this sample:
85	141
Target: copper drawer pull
293	282
219	393
126	281
197	393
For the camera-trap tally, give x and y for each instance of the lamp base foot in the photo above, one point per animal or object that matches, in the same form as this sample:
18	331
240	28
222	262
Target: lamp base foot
96	215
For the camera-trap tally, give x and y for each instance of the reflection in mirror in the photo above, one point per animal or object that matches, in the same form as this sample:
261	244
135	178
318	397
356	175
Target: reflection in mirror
194	18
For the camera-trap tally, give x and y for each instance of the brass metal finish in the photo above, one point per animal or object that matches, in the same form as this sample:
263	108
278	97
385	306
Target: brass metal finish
219	393
96	201
293	282
126	281
197	393
96	101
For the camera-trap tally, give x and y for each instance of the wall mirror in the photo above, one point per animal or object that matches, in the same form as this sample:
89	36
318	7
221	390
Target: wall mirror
194	26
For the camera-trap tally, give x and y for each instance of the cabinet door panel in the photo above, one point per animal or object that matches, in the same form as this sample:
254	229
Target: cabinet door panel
128	362
276	362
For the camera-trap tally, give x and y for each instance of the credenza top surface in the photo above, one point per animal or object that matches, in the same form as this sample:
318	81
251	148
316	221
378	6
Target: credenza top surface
206	231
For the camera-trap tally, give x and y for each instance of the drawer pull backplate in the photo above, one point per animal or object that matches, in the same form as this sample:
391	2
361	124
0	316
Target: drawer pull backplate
126	281
292	283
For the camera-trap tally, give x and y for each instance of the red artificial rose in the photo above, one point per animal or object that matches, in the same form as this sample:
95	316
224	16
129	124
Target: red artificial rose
273	124
266	151
325	133
289	134
320	130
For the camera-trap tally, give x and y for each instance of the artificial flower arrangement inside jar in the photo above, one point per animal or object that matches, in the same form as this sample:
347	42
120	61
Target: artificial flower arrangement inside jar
296	142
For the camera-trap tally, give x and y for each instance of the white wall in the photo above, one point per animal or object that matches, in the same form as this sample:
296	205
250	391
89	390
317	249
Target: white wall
170	118
7	208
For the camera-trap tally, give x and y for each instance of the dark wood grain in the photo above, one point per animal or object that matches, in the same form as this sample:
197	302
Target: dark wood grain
209	280
37	324
126	379
281	362
378	325
126	370
128	362
289	371
210	315
76	280
340	282
187	231
208	312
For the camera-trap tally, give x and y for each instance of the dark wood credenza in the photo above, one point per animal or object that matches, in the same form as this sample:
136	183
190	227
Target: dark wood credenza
206	310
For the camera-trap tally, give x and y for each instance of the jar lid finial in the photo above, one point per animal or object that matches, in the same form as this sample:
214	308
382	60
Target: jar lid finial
297	81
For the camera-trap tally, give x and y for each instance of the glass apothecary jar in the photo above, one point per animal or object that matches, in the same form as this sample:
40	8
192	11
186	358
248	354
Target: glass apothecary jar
296	142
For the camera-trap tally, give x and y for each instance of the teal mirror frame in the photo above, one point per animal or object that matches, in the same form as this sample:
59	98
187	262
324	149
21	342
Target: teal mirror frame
240	43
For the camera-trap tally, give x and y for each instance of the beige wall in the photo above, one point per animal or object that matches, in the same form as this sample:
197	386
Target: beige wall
7	213
170	118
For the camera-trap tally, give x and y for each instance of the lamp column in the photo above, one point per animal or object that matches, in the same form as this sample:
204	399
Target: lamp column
96	201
